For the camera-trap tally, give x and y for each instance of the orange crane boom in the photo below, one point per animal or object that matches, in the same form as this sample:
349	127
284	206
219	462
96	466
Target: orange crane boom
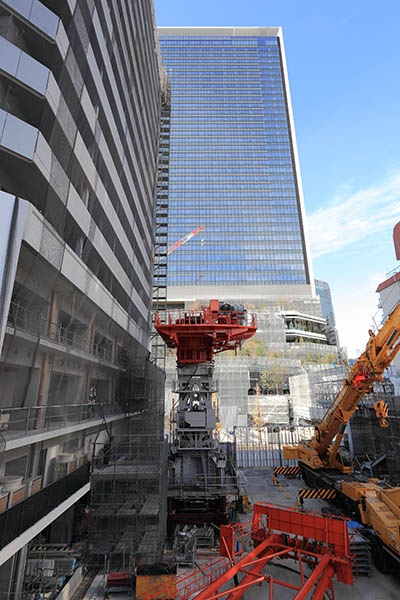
322	451
326	465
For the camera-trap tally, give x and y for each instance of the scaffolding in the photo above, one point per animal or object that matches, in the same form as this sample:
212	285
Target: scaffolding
128	503
158	350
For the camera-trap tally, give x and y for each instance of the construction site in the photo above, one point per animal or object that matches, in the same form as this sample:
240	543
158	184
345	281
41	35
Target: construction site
178	418
183	516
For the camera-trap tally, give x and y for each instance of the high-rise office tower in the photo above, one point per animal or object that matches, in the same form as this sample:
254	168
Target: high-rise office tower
79	137
233	164
324	292
234	171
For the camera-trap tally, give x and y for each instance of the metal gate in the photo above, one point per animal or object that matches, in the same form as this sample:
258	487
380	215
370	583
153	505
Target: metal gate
263	446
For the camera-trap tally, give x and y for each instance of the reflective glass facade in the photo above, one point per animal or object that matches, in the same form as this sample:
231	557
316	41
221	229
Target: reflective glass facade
232	164
323	290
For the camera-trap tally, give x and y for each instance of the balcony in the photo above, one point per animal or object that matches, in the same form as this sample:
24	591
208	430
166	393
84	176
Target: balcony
21	426
20	318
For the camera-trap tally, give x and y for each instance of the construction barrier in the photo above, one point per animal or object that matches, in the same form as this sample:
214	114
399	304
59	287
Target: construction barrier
286	471
324	493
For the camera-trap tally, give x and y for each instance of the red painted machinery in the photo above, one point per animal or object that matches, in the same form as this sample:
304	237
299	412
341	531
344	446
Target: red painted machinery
197	461
320	542
198	335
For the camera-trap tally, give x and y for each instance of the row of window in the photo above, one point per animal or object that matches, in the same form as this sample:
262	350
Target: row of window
212	88
254	182
221	116
235	209
261	163
222	204
192	64
221	91
224	193
231	257
218	170
192	40
225	80
215	139
294	251
243	55
226	102
264	223
242	147
230	154
203	126
280	268
226	75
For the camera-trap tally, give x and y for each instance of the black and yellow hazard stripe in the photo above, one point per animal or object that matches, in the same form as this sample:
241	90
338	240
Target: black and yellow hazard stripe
286	470
324	493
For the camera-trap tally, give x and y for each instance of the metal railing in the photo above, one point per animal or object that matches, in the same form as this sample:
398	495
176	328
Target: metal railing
22	516
20	317
204	485
31	418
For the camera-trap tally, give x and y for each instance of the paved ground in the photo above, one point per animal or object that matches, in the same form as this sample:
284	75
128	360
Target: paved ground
258	483
259	486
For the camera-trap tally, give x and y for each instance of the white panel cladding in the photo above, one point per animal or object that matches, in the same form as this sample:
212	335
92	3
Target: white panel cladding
90	171
109	69
88	108
88	166
13	215
91	59
44	157
75	270
62	40
86	162
143	124
53	93
71	4
103	144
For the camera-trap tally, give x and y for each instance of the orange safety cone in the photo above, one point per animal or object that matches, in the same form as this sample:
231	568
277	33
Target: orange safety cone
288	495
280	487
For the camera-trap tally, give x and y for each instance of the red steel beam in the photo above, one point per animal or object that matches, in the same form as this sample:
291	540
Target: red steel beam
323	583
214	587
317	572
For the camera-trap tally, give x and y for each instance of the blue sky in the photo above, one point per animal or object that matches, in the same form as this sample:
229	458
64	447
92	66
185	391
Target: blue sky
343	61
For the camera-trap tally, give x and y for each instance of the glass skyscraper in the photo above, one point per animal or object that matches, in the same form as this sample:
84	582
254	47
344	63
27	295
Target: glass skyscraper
233	161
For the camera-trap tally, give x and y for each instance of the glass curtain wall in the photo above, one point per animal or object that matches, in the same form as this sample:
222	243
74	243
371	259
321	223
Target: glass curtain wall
231	163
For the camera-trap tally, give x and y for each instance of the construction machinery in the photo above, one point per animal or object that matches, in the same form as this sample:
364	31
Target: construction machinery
326	464
320	546
199	476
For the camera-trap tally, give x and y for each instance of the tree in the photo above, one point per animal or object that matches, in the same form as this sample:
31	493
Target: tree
257	419
195	305
273	378
249	348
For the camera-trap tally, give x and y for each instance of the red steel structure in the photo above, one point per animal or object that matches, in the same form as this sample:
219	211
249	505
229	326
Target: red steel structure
319	541
198	335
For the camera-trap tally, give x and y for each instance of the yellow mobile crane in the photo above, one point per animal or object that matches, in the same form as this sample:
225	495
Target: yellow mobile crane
325	464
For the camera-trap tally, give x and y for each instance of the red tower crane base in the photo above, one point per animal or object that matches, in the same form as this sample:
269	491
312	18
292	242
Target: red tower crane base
321	542
198	335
